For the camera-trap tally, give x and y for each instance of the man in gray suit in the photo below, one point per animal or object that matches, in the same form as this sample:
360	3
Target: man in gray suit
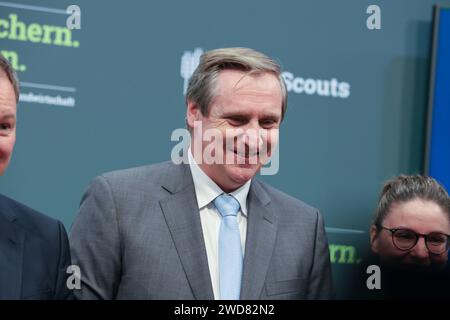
206	228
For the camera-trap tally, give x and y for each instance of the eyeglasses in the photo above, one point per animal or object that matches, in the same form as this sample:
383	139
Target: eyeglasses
405	239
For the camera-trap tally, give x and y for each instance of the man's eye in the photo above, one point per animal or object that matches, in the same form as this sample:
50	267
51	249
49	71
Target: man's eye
267	123
5	126
236	121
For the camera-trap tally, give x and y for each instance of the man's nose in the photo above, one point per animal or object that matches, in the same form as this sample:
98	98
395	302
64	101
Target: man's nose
253	124
251	136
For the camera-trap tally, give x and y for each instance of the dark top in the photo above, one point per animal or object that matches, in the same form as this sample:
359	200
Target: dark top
34	254
402	282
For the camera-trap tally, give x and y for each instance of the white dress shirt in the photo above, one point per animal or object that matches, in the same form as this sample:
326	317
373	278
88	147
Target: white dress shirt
206	190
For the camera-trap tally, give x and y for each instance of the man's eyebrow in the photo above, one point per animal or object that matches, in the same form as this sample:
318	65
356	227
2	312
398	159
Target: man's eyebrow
237	114
271	116
246	113
8	116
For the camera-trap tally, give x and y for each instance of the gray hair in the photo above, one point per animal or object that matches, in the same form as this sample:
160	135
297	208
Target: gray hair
201	86
405	188
5	65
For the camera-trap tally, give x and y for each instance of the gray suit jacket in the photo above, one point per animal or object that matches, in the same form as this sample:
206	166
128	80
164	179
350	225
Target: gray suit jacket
138	235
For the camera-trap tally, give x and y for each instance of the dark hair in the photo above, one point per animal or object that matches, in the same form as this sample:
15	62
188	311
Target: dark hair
405	188
11	74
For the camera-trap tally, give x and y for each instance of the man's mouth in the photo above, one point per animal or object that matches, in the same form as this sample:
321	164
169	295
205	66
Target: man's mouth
246	154
245	158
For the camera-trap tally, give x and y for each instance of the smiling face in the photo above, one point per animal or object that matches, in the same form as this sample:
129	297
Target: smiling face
246	110
7	120
421	216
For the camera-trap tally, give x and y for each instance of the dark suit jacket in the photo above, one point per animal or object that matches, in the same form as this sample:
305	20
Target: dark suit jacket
138	235
34	254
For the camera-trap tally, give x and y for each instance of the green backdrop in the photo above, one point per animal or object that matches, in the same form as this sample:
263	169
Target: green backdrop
108	96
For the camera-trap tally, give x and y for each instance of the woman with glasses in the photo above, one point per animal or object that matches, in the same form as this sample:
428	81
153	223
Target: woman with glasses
412	223
410	238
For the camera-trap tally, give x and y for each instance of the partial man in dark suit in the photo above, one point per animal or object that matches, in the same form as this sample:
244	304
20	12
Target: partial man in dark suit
34	249
206	228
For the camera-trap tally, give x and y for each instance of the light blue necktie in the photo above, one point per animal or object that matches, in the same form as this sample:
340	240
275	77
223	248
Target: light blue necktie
230	251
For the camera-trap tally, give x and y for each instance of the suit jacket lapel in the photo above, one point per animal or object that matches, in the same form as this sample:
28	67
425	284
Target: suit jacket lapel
183	219
11	255
261	235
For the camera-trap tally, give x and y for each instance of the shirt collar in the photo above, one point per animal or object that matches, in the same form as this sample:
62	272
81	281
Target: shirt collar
207	190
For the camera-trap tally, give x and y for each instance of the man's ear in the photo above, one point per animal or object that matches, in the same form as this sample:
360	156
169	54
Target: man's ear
374	238
193	113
